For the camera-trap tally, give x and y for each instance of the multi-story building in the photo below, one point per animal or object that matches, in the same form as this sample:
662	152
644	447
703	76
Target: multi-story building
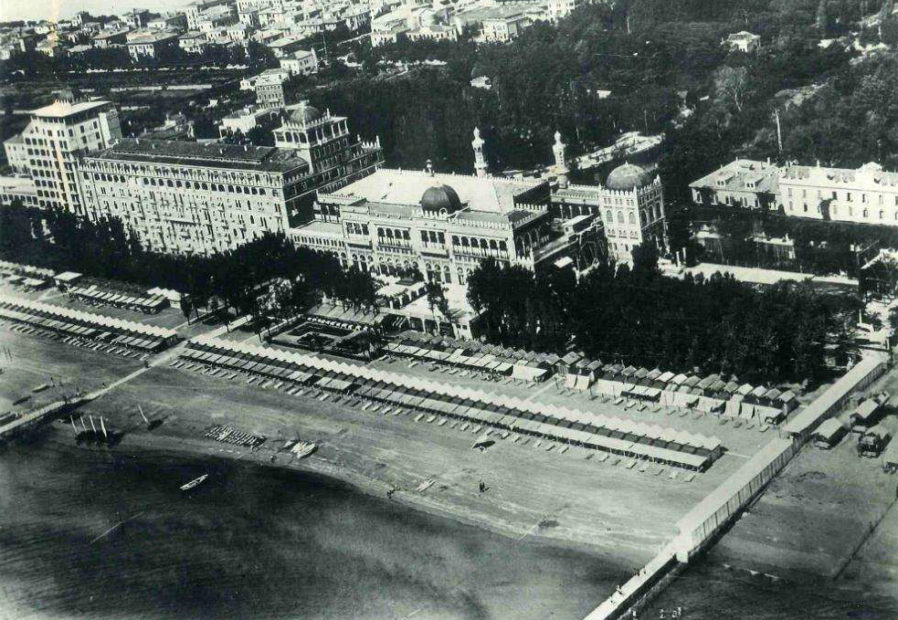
335	156
184	197
505	28
269	87
105	39
301	63
193	42
866	195
16	154
150	44
190	198
745	42
396	221
741	183
630	204
18	189
57	135
137	19
557	9
443	225
194	11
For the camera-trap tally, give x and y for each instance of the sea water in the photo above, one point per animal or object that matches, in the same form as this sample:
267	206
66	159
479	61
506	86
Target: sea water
93	534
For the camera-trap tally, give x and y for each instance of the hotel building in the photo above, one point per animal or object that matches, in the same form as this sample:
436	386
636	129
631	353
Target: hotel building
184	197
55	137
867	195
443	225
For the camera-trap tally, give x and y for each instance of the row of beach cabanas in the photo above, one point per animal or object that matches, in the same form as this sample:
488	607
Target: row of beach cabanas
711	394
87	325
152	304
609	434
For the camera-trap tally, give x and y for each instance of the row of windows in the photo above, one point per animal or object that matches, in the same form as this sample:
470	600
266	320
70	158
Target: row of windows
846	196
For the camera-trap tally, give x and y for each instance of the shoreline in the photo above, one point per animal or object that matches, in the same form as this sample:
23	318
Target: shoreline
140	444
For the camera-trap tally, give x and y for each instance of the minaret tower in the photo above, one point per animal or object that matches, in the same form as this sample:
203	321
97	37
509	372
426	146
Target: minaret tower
479	161
561	168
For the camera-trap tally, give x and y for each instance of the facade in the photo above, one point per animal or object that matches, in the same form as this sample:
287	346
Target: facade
335	157
630	206
150	44
867	195
189	198
193	42
245	120
57	135
16	154
18	188
184	197
269	87
504	29
741	183
443	225
105	40
743	42
394	221
300	63
557	9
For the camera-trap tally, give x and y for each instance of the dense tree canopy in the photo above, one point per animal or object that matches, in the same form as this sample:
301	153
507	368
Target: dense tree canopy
62	241
642	318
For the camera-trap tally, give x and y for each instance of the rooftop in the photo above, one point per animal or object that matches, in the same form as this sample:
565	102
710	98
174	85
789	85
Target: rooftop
403	187
738	173
172	152
63	109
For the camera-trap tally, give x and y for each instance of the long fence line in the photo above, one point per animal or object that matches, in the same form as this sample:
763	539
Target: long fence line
709	519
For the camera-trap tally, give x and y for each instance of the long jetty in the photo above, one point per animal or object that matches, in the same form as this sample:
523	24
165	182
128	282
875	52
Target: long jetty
37	417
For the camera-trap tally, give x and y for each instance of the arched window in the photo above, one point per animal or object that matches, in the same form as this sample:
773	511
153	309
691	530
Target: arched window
464	242
454	239
866	213
493	245
620	217
609	216
632	218
483	244
504	247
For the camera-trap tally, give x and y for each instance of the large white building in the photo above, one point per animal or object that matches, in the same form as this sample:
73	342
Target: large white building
56	136
866	195
443	225
184	197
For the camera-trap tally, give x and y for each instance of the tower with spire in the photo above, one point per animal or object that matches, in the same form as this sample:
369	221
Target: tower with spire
561	168
479	160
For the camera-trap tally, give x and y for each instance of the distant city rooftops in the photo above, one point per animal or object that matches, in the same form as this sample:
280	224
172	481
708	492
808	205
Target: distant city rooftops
264	158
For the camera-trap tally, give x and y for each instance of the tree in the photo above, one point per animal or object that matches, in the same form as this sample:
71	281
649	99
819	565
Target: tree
731	84
822	21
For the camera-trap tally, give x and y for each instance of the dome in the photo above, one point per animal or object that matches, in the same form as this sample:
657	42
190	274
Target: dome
627	177
303	114
440	197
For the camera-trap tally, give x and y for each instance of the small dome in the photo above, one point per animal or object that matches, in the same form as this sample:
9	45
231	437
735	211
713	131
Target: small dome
627	177
440	197
304	114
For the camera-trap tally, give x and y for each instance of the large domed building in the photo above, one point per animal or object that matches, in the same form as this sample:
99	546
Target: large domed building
630	205
440	200
627	177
